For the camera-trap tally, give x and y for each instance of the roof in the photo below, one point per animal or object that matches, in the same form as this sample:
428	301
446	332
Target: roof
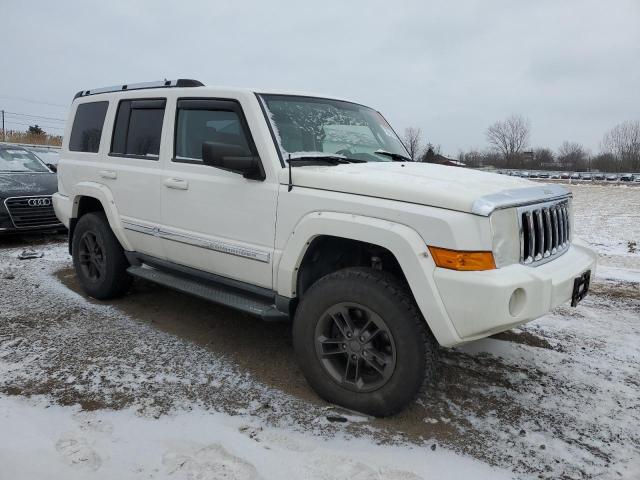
196	84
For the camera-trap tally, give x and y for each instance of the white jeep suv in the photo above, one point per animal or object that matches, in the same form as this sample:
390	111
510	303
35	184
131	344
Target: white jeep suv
290	206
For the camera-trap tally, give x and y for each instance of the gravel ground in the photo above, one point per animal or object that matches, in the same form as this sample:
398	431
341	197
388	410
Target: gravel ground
557	398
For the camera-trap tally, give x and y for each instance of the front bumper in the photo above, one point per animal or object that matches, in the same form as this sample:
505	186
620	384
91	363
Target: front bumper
479	304
63	207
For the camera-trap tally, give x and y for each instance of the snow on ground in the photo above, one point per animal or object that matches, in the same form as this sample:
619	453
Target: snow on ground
608	218
90	392
50	441
159	385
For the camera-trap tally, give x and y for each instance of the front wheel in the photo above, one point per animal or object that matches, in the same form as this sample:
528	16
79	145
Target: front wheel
362	343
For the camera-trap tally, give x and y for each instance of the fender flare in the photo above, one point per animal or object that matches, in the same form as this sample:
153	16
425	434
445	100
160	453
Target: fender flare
408	247
105	197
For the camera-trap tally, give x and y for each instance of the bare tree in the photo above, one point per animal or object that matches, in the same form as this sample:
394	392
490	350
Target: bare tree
572	156
605	162
623	141
542	158
413	141
509	137
472	158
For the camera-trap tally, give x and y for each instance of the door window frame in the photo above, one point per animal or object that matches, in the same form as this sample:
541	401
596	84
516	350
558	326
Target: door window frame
213	104
142	100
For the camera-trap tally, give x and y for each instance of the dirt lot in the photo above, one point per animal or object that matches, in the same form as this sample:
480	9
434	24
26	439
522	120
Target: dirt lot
557	398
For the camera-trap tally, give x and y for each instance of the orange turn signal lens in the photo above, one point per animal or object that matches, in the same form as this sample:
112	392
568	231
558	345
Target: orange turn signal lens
460	260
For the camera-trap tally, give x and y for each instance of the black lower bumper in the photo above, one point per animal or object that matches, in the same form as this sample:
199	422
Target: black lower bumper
7	225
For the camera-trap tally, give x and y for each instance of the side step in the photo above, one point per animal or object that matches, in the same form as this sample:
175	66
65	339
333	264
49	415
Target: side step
212	292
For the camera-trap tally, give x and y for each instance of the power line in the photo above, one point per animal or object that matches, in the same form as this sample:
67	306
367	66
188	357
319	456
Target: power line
31	124
22	99
13	122
22	121
35	116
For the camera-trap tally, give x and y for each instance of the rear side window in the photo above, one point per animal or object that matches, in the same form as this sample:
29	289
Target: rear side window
200	121
87	127
138	128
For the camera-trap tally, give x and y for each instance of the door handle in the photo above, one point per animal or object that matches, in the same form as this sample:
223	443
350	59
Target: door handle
112	174
176	183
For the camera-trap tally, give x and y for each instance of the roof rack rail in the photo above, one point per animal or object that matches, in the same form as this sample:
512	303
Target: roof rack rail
181	82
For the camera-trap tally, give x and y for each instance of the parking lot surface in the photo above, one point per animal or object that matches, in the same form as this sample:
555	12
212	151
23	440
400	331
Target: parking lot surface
557	398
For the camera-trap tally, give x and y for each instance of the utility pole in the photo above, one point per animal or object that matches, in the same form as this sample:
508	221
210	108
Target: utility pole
3	137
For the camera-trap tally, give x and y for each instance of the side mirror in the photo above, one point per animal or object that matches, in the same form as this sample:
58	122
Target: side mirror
52	167
233	158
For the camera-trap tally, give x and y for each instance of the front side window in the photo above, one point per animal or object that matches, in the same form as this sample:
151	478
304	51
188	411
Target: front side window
87	127
203	121
307	125
138	128
19	160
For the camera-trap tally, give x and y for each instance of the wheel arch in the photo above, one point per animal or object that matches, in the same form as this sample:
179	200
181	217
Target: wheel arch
326	254
91	197
405	245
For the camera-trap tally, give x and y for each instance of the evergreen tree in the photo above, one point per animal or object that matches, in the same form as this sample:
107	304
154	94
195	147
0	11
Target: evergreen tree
429	156
35	130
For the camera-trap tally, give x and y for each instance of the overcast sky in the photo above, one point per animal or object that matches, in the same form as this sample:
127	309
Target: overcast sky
450	68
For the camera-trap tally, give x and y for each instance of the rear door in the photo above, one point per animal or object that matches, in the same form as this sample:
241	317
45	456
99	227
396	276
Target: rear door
213	219
133	171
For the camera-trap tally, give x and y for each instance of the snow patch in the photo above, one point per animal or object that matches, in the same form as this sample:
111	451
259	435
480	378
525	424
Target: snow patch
39	440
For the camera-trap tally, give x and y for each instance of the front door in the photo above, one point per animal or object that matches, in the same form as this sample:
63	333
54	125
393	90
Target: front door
213	219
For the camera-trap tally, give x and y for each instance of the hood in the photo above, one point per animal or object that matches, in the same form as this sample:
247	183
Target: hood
27	184
454	188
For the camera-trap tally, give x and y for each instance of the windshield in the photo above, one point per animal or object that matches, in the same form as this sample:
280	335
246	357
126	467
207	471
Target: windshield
20	160
307	125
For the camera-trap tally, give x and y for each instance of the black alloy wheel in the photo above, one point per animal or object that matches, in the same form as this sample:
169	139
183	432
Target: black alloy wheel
362	343
91	257
99	259
355	347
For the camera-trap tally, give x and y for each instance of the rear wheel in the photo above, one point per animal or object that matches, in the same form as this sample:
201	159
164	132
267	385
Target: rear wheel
362	343
99	259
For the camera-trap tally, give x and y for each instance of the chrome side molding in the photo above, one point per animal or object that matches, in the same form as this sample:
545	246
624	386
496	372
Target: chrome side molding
196	241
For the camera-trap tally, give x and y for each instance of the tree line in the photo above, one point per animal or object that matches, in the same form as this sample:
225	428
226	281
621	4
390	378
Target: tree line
35	135
509	147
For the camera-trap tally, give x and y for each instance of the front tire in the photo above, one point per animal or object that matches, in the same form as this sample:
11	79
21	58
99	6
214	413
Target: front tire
99	259
362	343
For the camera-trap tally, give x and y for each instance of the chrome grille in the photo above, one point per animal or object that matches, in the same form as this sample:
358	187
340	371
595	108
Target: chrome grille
544	231
32	212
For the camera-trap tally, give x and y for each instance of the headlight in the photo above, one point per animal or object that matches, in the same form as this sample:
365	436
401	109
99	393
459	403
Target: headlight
506	237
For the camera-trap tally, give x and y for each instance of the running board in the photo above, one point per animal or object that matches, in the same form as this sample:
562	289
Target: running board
209	291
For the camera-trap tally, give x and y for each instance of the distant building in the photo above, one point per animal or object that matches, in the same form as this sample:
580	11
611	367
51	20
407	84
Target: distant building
432	157
442	160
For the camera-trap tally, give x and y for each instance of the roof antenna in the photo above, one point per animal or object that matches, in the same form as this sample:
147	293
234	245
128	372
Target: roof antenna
290	181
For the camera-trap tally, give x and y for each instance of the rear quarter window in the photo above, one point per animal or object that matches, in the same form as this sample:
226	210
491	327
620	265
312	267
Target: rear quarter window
87	127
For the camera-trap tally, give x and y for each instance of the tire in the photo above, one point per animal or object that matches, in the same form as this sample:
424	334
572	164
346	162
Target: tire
103	273
332	351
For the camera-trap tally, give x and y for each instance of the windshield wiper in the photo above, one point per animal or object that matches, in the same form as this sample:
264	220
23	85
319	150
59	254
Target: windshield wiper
333	159
329	158
396	157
